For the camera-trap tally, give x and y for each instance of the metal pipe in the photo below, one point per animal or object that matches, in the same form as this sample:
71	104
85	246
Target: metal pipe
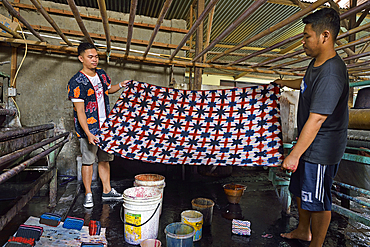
16	14
17	169
19	153
5	28
165	8
5	219
7	112
359	83
249	11
131	25
351	198
9	134
351	187
275	27
351	214
50	20
104	16
207	9
78	18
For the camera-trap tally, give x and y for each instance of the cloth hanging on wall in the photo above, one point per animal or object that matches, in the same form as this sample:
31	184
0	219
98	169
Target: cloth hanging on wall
238	126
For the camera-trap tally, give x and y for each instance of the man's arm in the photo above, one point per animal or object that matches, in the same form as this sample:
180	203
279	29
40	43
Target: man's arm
294	84
82	119
308	134
115	88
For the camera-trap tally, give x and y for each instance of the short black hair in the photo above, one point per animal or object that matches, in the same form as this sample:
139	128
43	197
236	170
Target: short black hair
85	46
324	19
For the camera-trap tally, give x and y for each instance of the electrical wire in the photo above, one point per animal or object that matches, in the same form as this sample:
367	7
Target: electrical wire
19	67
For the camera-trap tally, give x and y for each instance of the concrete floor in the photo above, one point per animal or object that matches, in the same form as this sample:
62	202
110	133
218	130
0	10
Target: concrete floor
259	205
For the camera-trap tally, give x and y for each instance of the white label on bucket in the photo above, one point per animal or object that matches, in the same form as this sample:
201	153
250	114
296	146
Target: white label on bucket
133	233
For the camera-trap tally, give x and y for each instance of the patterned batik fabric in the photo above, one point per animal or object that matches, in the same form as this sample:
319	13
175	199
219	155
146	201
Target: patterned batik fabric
239	126
80	87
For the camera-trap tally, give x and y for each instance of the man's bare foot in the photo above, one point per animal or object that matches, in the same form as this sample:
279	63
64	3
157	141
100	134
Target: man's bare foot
295	234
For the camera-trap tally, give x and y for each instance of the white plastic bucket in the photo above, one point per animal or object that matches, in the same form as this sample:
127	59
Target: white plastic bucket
195	219
151	180
141	213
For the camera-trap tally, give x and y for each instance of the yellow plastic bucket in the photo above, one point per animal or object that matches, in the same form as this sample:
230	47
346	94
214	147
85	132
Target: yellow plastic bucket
195	219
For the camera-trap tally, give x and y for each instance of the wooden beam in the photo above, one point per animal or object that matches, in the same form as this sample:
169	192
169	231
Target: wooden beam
198	72
131	25
195	26
362	17
350	44
191	16
248	12
36	45
113	38
8	30
209	28
98	18
275	27
46	15
78	18
16	14
298	36
163	13
104	16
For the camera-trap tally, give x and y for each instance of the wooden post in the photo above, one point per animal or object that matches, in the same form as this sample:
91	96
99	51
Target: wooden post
13	66
104	17
78	18
209	29
199	48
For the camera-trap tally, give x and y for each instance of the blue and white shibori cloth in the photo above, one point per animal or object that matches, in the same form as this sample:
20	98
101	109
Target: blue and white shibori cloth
239	126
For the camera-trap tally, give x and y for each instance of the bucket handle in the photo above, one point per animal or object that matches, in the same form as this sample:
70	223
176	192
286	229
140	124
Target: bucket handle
120	214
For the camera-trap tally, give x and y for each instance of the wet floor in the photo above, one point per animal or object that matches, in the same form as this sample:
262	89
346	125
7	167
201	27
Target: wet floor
259	205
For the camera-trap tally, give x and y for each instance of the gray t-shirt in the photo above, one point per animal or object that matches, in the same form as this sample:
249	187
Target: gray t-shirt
324	90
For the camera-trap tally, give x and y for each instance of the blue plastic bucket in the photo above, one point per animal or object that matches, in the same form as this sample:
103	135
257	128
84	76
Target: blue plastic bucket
179	235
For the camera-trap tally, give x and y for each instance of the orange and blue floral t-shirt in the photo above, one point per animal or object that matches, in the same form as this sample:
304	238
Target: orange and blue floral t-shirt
80	87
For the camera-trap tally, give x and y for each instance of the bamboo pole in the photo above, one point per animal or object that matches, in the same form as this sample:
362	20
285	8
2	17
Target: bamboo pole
249	11
131	25
362	17
78	18
275	27
209	28
16	14
198	72
50	20
8	30
195	26
104	16
163	13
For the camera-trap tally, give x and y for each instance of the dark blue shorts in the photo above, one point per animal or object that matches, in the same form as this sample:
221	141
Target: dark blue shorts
312	183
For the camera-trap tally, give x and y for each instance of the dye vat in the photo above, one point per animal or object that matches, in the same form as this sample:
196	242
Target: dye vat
195	219
179	234
234	192
205	206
